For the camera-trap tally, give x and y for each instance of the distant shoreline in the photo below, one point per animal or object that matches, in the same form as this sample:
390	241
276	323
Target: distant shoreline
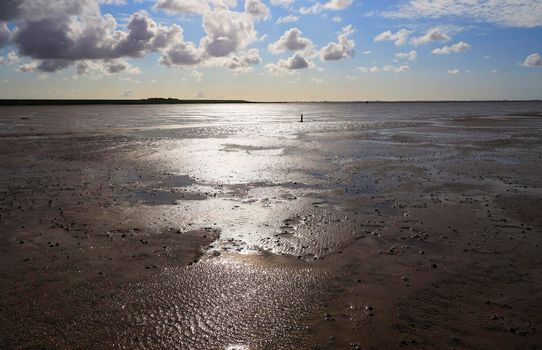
149	101
173	101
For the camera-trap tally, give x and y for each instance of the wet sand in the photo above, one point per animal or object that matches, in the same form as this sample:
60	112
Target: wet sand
225	234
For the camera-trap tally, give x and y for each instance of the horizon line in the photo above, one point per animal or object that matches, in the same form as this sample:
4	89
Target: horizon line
169	100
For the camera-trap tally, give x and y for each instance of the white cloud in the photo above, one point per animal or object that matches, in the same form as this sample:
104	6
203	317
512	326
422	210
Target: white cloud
373	69
388	68
533	60
338	4
399	38
257	9
285	66
113	2
288	19
181	54
297	61
456	48
96	69
283	3
334	5
241	63
291	40
12	57
60	37
399	69
227	32
434	34
453	71
411	56
507	13
183	6
343	48
134	70
27	67
77	35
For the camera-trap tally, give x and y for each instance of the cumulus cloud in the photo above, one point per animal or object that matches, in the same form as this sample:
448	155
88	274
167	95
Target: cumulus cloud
65	33
257	9
411	56
282	3
181	54
227	31
183	6
456	48
433	35
388	68
283	66
373	69
399	38
51	36
399	69
287	19
241	63
507	13
27	67
11	57
194	7
297	61
97	69
61	38
113	2
334	5
291	40
342	49
533	60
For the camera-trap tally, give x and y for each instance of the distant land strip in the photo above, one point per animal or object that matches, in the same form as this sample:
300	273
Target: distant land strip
175	101
148	101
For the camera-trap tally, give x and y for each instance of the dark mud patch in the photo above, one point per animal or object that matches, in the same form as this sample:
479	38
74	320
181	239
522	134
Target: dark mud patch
171	197
524	208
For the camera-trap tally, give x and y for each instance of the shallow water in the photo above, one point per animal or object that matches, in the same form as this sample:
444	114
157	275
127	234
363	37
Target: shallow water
264	119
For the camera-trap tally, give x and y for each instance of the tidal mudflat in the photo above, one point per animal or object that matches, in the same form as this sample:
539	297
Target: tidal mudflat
368	226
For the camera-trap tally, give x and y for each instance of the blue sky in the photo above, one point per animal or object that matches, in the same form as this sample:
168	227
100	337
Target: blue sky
271	50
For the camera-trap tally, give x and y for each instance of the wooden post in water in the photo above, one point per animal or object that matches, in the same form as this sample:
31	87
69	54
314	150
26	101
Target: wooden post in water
301	121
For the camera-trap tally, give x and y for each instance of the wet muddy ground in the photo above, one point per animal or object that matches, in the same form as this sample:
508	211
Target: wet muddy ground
211	233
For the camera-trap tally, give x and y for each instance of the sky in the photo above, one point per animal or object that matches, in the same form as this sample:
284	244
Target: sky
272	50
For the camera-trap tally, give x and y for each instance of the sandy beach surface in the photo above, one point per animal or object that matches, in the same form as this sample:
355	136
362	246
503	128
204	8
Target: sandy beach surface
368	226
